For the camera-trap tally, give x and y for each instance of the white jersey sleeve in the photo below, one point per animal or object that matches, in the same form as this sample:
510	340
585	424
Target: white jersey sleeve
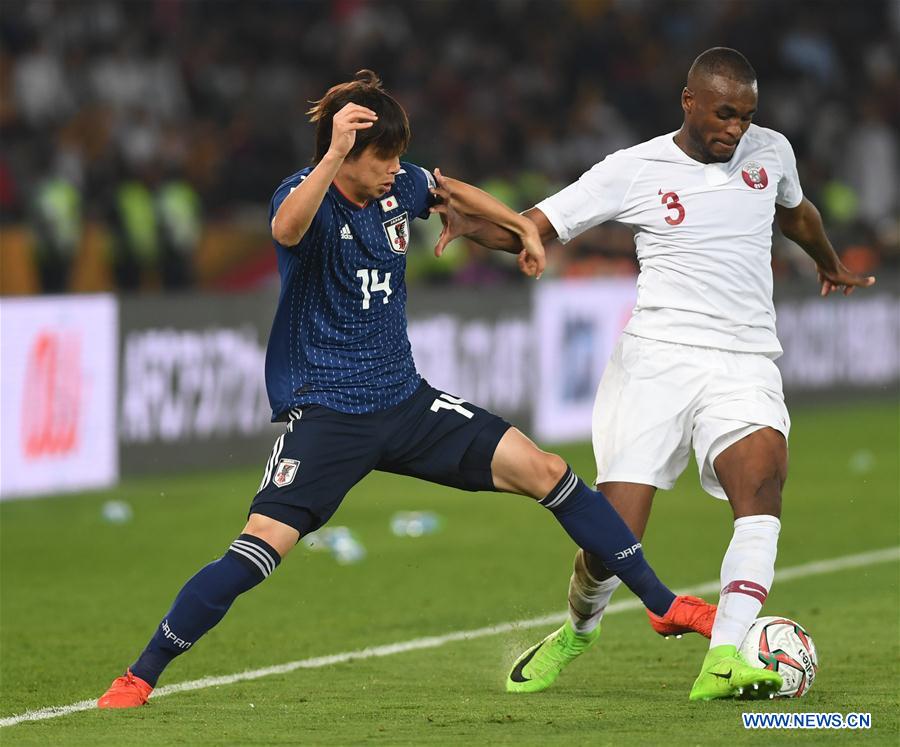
595	198
789	193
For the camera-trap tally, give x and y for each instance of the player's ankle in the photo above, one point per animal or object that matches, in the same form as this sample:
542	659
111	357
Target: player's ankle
722	651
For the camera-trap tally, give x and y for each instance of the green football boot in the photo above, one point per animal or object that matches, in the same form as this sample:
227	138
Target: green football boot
538	667
726	674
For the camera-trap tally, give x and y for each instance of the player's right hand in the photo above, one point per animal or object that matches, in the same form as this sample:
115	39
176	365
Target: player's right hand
346	122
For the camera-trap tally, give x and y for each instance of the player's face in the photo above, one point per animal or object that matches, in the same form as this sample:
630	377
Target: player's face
716	116
370	175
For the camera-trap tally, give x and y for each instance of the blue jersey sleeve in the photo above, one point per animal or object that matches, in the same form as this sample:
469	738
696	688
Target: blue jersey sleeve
284	189
423	182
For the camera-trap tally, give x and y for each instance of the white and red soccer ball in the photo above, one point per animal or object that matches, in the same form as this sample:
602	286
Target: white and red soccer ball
783	646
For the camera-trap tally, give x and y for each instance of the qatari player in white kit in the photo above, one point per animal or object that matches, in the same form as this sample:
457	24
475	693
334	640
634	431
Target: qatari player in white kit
695	365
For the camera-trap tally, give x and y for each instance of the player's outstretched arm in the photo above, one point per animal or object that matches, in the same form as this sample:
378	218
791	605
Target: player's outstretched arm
468	211
296	212
803	224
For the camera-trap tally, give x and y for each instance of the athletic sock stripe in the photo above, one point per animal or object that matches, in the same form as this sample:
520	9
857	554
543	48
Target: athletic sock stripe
568	486
560	486
566	491
251	558
254	550
750	588
258	551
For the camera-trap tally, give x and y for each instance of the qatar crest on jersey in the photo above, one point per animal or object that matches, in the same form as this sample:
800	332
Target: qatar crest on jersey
755	175
397	230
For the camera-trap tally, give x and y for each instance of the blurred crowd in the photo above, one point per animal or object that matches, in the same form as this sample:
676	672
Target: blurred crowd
157	118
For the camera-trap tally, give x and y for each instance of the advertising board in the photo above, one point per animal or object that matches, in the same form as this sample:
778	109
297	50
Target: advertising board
58	406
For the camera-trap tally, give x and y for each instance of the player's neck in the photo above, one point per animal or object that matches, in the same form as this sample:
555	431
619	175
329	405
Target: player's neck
346	188
690	147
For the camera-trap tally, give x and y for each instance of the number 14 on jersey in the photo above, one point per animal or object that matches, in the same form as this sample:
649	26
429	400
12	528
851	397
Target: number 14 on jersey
371	284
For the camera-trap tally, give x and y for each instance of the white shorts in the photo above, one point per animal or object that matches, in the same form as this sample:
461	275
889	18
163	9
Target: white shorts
658	398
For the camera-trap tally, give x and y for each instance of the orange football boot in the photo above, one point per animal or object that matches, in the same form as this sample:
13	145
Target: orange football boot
686	615
126	691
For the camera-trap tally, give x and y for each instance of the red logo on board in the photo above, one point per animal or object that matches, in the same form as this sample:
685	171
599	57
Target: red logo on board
755	175
52	395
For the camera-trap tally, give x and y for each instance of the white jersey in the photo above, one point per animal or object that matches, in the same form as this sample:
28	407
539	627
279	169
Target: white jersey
703	234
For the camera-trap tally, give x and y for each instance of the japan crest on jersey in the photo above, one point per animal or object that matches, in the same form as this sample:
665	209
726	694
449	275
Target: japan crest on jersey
397	230
755	175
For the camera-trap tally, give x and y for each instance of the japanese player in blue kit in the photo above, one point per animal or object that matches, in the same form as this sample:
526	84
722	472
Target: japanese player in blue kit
340	374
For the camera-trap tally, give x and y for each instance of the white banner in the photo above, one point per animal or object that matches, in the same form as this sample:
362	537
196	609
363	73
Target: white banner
484	361
57	394
846	343
577	324
180	385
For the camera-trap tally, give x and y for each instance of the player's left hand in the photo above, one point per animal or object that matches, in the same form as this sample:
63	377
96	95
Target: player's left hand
843	280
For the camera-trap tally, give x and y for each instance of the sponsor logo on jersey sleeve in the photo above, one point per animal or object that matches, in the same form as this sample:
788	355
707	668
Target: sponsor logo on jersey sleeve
754	175
397	230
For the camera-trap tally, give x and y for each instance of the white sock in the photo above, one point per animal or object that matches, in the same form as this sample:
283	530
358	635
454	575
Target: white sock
588	597
747	572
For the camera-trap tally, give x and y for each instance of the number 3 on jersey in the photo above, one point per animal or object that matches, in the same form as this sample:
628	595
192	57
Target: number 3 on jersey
670	200
370	284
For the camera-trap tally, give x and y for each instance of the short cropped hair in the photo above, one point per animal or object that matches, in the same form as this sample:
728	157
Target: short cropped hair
724	61
390	133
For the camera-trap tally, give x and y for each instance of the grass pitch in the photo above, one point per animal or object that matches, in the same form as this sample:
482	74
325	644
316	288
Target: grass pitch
80	597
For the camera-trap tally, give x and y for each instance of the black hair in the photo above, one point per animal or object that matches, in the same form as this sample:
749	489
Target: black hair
390	133
724	61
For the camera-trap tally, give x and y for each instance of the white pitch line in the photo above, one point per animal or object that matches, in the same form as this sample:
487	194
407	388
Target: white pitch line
786	574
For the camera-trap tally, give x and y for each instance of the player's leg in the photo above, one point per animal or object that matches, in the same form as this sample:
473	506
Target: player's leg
591	587
752	473
201	603
747	463
444	439
592	584
641	435
518	466
290	503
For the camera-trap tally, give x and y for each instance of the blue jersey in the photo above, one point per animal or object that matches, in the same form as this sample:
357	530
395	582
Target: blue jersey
339	335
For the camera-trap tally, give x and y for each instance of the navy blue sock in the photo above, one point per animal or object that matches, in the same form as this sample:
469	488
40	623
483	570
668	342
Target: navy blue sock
204	600
596	527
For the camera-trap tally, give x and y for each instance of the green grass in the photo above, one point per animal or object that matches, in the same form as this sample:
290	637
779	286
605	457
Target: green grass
80	598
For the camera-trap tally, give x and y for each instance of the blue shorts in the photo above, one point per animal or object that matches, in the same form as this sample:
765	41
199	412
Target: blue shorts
323	453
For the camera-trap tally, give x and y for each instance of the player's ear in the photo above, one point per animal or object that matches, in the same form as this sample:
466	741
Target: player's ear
687	100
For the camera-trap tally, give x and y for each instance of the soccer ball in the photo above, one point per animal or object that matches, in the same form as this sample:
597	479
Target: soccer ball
783	646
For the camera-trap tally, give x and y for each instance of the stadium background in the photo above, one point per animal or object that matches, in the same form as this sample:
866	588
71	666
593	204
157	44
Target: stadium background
140	144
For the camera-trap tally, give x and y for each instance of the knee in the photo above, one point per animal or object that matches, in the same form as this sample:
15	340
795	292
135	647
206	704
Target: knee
553	467
768	494
764	498
546	470
279	536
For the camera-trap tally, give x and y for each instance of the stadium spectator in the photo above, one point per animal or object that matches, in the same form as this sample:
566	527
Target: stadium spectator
226	77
